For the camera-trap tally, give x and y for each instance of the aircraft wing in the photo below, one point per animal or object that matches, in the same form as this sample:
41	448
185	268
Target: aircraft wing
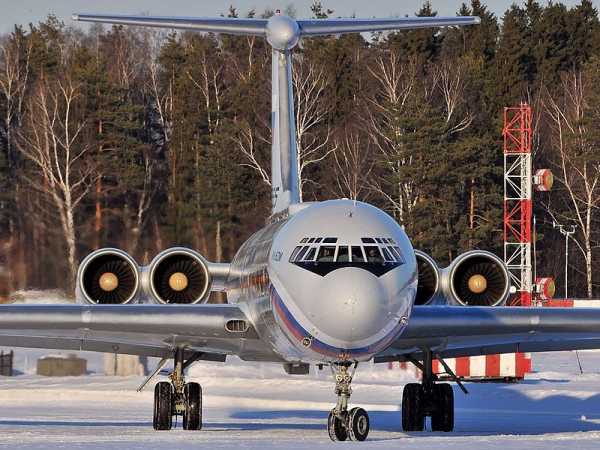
453	331
147	330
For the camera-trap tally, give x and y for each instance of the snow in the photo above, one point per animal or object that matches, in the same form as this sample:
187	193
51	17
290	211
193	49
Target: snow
257	406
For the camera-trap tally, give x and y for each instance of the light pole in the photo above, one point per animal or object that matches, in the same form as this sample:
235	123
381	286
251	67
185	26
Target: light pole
566	231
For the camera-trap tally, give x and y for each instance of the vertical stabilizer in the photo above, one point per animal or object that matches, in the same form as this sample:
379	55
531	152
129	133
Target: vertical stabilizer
283	33
284	166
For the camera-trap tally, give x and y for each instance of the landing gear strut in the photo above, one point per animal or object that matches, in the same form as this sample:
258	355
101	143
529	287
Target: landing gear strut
428	399
177	398
341	423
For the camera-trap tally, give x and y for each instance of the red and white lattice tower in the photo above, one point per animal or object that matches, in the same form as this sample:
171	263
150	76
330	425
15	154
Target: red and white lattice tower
518	188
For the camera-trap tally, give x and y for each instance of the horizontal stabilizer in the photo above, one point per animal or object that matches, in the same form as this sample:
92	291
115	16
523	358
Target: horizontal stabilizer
255	27
320	27
258	27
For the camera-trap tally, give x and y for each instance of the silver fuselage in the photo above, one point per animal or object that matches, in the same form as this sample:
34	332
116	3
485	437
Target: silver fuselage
336	306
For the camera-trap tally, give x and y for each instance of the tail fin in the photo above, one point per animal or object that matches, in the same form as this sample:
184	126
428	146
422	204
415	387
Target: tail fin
283	33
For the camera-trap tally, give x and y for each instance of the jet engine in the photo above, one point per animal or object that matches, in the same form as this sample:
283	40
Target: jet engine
108	276
478	278
429	278
475	278
179	276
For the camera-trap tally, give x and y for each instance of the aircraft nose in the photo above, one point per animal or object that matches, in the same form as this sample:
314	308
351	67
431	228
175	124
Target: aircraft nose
354	306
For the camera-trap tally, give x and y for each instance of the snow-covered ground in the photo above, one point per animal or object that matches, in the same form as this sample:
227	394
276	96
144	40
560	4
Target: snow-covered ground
257	406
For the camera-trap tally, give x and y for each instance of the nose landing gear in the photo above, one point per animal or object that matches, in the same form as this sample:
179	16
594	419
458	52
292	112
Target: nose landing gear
177	398
428	399
341	423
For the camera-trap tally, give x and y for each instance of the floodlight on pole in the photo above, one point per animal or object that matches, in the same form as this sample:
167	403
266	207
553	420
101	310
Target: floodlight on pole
566	231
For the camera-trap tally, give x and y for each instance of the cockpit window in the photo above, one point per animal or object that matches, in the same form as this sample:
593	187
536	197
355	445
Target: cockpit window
357	254
295	253
301	253
322	255
342	255
387	255
326	254
373	254
310	256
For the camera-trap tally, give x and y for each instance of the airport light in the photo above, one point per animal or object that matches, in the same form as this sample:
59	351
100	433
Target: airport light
566	231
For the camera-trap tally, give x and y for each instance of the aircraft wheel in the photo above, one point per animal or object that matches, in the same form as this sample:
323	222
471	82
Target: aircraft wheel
443	417
192	414
163	406
336	428
358	424
413	416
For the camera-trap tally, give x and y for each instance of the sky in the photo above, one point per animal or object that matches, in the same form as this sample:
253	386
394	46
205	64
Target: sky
25	11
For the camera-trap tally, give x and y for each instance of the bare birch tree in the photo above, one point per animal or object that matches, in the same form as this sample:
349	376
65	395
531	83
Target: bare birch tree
395	82
52	141
576	155
353	167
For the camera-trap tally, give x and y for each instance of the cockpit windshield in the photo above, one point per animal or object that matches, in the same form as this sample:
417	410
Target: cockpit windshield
322	255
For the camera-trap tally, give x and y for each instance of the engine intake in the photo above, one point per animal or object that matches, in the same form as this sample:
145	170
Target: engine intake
179	276
108	276
479	278
429	278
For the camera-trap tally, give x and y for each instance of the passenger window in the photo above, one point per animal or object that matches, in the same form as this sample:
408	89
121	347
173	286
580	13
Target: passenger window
311	240
310	256
317	240
329	240
326	254
387	255
368	240
295	253
342	255
357	255
373	254
378	240
303	240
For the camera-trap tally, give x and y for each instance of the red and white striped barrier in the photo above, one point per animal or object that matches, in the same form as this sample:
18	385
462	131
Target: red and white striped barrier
571	303
510	365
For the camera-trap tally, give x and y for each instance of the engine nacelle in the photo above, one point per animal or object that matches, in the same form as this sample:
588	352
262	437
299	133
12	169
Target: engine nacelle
108	276
429	278
475	278
179	276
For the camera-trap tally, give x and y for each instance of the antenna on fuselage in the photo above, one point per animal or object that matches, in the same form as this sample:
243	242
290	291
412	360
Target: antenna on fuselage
283	34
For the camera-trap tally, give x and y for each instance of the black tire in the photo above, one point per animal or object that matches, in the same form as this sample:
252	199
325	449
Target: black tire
336	428
413	416
163	406
358	424
443	417
192	415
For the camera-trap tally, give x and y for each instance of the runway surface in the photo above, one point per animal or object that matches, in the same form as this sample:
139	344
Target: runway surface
259	407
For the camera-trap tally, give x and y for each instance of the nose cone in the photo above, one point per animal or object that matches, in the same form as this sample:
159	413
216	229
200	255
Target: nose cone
353	307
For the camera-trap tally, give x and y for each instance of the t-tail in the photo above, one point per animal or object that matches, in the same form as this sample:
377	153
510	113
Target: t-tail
283	34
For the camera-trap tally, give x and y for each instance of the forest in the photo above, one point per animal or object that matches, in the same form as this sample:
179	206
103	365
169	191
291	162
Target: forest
142	139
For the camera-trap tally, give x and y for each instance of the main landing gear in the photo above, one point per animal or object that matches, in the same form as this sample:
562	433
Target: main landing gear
341	423
178	398
428	399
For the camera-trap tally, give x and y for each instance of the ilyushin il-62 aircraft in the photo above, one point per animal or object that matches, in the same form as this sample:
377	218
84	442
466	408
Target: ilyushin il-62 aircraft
334	283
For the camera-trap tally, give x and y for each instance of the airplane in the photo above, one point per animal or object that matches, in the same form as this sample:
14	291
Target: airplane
334	283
